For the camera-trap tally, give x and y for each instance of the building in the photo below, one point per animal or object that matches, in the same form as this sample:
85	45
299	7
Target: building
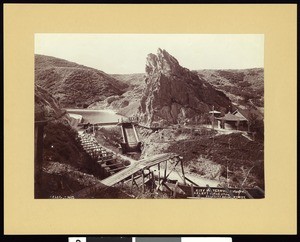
234	121
213	118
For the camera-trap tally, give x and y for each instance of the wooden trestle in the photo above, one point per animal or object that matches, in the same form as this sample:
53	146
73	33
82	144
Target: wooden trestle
136	174
104	158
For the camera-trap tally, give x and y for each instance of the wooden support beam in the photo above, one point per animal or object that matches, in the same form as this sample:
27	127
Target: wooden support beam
182	171
192	182
114	164
153	180
174	166
165	172
228	191
132	180
192	190
143	182
158	166
159	184
136	184
116	169
209	190
247	193
259	189
168	187
181	176
175	189
39	149
166	176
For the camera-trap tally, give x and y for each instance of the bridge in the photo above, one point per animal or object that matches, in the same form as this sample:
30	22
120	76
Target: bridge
136	174
140	173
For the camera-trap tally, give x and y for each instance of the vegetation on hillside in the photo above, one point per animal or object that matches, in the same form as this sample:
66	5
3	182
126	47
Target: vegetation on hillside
74	85
243	87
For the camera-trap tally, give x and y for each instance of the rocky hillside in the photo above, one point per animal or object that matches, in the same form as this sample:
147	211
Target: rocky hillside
46	106
72	84
175	94
126	104
60	147
245	87
132	80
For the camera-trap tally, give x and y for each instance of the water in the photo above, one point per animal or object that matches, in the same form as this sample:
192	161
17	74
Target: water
96	116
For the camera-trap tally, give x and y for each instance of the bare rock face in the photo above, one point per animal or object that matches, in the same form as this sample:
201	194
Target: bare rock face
173	94
163	63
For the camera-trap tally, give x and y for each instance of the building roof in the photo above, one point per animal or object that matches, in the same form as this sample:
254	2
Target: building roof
231	117
240	113
217	112
248	113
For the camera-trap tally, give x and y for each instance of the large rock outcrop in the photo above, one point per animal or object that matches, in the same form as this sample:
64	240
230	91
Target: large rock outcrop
173	94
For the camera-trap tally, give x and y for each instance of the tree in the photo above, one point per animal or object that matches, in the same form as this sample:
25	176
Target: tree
256	125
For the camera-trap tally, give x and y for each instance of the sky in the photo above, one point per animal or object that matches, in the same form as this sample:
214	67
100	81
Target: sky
126	53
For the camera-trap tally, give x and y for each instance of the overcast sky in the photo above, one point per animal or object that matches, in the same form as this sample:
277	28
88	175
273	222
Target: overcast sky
126	53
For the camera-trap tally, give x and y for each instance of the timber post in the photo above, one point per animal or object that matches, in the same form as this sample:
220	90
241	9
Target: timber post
132	182
165	172
39	148
192	190
143	181
175	189
182	170
158	165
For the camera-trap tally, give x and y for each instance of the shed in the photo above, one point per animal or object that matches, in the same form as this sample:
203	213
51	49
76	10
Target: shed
234	121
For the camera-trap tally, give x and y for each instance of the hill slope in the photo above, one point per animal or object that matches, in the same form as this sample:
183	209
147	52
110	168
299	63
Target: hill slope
72	84
126	104
245	87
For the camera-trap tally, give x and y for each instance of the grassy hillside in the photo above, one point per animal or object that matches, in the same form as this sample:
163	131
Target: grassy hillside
74	85
126	104
245	87
133	80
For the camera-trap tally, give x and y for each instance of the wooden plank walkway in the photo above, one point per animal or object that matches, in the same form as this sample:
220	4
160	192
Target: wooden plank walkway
140	165
127	172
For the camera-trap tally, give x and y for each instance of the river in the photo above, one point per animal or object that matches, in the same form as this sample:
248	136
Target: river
96	116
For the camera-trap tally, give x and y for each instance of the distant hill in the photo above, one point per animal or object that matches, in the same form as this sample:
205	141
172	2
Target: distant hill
245	88
126	104
74	85
133	80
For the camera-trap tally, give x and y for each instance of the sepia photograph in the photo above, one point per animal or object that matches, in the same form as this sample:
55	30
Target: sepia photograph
149	116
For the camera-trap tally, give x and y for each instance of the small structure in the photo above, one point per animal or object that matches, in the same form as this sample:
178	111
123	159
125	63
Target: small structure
131	142
214	114
234	121
75	119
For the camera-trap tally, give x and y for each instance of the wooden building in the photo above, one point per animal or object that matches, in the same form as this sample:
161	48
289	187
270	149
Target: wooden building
234	121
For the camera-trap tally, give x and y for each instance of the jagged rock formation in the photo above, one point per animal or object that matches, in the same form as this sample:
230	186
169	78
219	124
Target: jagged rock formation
173	94
73	84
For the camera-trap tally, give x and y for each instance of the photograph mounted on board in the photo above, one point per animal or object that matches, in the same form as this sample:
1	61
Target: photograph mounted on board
149	116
